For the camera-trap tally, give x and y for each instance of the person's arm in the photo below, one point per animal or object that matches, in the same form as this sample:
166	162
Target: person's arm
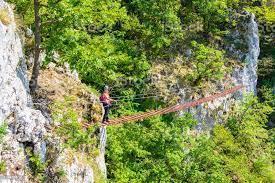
109	98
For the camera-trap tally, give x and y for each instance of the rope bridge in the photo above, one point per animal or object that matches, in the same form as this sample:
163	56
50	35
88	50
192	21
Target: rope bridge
175	108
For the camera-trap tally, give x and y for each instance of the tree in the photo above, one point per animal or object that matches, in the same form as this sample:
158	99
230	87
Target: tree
208	64
152	151
37	34
164	150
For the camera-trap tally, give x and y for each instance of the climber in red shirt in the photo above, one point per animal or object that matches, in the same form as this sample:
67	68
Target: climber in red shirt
106	101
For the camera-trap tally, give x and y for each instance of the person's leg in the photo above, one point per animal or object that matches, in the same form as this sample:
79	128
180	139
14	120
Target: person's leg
104	116
107	110
106	113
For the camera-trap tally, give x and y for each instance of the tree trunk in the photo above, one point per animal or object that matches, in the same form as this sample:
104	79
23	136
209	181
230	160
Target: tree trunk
36	65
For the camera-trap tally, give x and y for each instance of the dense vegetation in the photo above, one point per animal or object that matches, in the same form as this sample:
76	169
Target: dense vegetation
117	42
161	150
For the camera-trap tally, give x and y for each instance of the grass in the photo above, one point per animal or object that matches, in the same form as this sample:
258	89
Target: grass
5	17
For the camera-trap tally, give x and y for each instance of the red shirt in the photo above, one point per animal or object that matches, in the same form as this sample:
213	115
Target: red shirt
105	98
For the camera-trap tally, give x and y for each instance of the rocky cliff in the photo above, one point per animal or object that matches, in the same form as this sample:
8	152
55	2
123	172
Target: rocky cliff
27	129
247	35
26	126
242	49
245	49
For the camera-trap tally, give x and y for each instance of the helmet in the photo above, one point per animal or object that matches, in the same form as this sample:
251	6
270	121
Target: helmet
106	88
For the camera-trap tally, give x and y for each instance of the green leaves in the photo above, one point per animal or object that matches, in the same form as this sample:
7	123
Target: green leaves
213	14
102	61
208	64
159	24
3	167
244	140
3	131
161	150
72	132
147	152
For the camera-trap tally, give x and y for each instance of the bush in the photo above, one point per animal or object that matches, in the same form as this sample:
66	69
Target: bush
3	167
3	131
266	67
36	165
71	130
207	65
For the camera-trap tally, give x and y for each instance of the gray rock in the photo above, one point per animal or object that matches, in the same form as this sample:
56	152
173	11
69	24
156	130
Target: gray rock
29	33
27	126
75	171
210	113
250	38
100	159
25	123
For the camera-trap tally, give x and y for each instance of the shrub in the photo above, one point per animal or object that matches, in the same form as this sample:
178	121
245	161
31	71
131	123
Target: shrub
208	64
3	129
3	167
266	67
36	166
70	129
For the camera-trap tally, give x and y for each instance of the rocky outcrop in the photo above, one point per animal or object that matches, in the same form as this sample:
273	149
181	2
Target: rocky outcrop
70	167
56	84
244	48
26	125
100	159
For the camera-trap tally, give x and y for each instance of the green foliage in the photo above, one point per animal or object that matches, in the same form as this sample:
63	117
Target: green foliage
36	165
159	24
208	64
91	38
202	163
3	131
251	148
161	150
71	130
212	12
266	72
105	54
3	167
266	67
146	152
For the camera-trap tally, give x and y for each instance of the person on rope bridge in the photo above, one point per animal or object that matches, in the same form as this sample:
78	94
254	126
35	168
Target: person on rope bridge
106	101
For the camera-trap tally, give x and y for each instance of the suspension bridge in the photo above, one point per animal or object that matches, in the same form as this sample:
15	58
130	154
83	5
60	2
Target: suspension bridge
171	109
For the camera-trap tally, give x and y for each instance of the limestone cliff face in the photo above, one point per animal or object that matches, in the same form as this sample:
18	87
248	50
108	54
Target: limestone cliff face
27	127
245	49
242	49
249	38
